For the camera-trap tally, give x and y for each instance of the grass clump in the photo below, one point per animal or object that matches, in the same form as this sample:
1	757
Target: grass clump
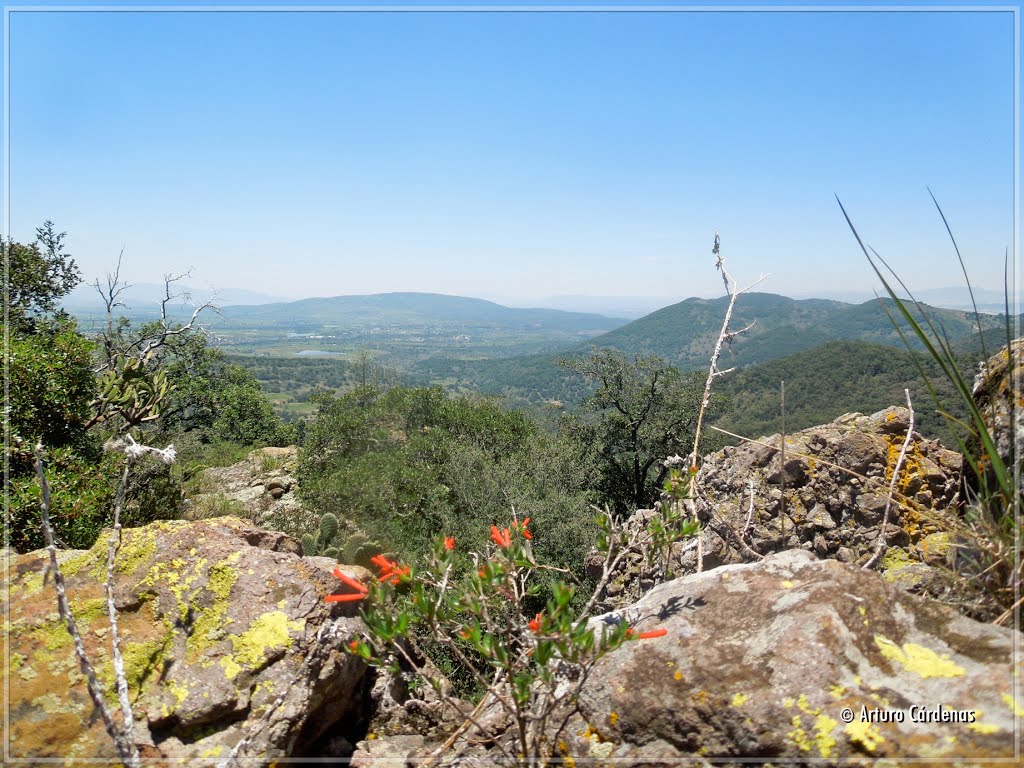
989	532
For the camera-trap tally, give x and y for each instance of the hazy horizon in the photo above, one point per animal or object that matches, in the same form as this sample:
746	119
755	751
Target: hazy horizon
140	296
515	155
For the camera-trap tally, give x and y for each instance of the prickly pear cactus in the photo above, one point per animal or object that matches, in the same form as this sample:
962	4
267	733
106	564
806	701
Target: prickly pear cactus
328	528
345	543
309	545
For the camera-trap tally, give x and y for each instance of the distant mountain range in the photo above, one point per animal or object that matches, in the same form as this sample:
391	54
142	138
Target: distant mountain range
391	309
954	297
685	333
146	296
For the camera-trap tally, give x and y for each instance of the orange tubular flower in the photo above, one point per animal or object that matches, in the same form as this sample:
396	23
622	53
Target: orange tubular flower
395	575
347	580
344	598
646	635
449	542
353	645
350	581
389	571
526	533
535	624
502	538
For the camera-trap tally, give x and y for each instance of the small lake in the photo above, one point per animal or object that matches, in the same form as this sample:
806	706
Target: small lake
317	353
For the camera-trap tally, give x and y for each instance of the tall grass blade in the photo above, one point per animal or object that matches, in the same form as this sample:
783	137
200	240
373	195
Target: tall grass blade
970	290
944	357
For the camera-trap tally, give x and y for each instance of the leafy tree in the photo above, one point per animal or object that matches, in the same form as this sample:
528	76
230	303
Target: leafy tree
213	395
51	386
53	390
642	411
70	393
38	276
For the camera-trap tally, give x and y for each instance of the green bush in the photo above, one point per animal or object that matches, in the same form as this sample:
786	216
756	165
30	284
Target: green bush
82	492
406	464
51	386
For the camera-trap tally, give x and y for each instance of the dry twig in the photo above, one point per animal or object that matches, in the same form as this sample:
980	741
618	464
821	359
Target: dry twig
880	547
120	734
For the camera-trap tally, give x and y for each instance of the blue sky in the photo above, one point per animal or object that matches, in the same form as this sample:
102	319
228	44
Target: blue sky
515	155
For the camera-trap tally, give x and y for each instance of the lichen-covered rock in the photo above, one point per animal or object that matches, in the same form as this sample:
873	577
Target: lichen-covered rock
836	479
225	634
996	389
792	658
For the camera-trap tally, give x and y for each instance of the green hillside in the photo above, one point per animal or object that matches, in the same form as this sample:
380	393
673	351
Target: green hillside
685	333
828	381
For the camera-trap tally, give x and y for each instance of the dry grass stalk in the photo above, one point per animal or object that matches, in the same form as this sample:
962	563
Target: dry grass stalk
725	336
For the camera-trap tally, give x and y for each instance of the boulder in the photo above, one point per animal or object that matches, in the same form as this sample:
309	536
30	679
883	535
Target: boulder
225	635
262	487
792	658
995	388
836	485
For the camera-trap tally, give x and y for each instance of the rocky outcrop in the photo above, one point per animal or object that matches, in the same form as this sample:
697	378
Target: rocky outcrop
996	389
262	488
792	658
225	635
835	484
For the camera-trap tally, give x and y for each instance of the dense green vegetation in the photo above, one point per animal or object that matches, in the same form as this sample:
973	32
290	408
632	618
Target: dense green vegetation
641	412
406	464
828	381
71	393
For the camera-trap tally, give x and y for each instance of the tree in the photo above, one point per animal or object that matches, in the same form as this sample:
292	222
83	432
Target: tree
53	385
210	395
642	412
48	361
37	276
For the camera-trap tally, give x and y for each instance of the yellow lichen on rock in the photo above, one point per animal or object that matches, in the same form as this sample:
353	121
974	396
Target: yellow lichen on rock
269	631
1008	699
979	727
918	659
823	738
864	734
209	621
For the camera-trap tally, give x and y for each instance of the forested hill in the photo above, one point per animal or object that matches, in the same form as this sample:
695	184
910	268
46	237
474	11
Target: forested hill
685	333
415	309
836	378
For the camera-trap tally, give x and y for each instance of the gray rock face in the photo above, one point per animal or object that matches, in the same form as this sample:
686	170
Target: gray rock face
837	480
995	388
261	487
226	638
762	660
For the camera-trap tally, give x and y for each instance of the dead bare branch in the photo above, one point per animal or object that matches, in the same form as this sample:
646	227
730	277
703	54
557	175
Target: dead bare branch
881	545
120	734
